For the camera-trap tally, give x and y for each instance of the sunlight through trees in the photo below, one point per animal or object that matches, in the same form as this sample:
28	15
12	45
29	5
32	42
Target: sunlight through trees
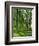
22	21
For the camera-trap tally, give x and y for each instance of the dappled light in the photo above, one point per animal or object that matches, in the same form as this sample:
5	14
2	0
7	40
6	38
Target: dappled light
22	21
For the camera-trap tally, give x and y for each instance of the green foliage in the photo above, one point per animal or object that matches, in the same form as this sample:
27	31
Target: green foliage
22	20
